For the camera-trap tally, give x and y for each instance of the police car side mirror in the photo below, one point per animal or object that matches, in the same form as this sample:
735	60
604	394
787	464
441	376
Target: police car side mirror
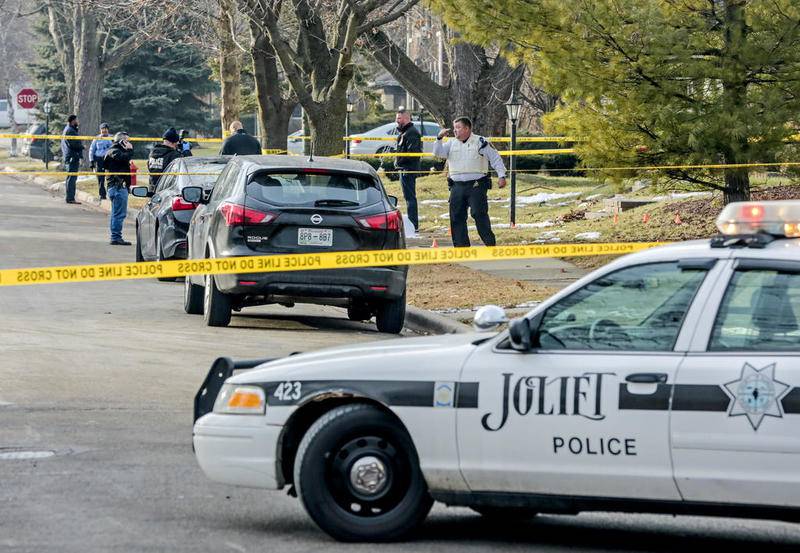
489	317
141	192
192	194
519	334
393	201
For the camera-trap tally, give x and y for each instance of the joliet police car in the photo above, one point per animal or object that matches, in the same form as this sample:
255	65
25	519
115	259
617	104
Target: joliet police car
667	381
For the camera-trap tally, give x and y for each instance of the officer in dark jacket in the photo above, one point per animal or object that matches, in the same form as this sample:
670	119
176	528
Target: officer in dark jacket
408	141
72	150
162	155
240	143
118	160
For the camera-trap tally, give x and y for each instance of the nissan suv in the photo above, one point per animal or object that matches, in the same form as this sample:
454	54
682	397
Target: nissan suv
267	205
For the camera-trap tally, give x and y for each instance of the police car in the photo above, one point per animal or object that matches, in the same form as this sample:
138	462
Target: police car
667	381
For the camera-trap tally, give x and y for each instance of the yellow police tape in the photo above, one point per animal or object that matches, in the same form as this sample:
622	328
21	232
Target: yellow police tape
306	261
501	152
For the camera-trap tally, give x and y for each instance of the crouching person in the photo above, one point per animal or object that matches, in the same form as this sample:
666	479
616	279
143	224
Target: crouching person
118	160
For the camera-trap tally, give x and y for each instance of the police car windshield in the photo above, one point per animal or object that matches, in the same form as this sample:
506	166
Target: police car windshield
314	189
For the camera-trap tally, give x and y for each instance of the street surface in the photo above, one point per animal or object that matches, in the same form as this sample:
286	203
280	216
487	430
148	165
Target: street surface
101	377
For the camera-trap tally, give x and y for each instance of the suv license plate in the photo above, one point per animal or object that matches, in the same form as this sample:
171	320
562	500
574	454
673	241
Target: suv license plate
315	237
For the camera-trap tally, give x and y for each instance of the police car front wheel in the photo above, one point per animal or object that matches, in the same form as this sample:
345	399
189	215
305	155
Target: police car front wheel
357	475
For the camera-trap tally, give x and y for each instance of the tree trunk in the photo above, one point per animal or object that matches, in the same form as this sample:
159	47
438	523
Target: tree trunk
229	68
478	88
89	73
737	186
274	110
326	124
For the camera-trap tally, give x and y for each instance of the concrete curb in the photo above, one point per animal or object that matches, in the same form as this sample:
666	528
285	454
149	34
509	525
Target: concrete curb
422	320
85	198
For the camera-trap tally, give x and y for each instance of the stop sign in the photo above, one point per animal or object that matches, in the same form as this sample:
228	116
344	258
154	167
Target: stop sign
27	98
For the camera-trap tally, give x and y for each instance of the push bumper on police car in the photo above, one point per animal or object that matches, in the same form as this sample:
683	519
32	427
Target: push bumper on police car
240	450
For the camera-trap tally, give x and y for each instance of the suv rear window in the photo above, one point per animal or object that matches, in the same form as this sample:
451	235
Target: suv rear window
314	189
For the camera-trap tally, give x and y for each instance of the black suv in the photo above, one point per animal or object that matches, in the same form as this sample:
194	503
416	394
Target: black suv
263	205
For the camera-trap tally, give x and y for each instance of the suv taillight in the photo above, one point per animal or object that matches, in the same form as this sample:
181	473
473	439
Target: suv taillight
384	221
236	214
178	204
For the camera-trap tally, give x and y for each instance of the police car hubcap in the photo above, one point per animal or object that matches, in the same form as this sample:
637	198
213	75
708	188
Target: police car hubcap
368	475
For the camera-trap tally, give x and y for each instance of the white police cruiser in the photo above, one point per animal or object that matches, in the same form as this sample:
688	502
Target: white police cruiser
667	381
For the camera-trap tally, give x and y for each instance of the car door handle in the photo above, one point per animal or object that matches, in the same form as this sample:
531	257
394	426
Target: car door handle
647	378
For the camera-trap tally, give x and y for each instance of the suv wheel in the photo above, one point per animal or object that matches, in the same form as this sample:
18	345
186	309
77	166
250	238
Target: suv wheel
359	312
192	297
357	475
216	305
391	315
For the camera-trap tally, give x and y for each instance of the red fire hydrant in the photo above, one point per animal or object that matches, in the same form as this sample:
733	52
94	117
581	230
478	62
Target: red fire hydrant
134	169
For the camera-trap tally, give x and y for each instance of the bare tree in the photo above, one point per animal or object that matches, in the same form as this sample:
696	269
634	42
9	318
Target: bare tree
478	81
15	41
94	37
230	64
314	41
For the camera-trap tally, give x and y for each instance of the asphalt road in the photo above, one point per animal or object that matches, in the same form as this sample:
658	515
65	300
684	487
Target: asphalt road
103	376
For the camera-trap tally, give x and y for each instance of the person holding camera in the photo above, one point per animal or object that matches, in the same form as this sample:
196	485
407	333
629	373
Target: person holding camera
117	163
97	151
468	157
72	150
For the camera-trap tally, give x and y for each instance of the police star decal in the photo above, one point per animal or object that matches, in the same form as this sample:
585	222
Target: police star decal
756	394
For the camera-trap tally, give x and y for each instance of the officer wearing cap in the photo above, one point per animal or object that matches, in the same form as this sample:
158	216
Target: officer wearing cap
468	158
162	155
97	151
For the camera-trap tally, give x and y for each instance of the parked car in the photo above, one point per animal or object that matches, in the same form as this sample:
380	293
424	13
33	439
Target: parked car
35	147
667	381
264	205
294	144
163	222
360	145
5	120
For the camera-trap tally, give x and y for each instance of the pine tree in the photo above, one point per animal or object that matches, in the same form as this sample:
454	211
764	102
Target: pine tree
655	82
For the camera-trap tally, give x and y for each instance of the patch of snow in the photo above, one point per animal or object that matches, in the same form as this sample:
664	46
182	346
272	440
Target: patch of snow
433	202
587	236
544	197
444	216
592	197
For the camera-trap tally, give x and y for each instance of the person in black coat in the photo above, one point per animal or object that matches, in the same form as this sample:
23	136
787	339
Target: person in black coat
72	150
118	160
409	141
240	143
162	155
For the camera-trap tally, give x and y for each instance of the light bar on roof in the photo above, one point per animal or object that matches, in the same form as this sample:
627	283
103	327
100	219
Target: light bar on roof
778	218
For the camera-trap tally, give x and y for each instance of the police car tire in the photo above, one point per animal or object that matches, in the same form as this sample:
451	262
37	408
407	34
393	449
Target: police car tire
216	305
160	252
391	315
505	513
192	298
328	433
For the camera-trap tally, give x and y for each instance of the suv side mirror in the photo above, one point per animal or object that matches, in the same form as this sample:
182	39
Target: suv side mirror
393	201
193	194
141	191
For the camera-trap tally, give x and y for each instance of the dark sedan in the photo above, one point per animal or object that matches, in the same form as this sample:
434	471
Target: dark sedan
263	205
163	222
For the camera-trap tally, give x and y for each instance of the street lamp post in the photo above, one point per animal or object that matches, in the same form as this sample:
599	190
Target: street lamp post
350	107
512	108
47	108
